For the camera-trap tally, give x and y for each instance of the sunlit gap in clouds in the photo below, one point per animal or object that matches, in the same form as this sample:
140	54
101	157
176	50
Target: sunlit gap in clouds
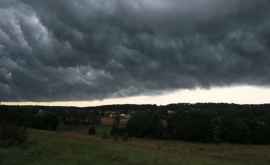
236	94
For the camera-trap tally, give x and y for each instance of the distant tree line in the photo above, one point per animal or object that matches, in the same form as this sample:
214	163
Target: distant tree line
212	123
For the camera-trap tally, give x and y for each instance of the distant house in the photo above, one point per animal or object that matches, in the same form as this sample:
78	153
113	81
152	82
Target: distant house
109	117
170	112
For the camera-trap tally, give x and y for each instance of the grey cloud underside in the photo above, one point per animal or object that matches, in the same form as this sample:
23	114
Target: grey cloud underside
95	49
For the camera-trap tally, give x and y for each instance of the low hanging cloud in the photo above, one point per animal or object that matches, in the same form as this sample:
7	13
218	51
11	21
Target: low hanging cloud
96	49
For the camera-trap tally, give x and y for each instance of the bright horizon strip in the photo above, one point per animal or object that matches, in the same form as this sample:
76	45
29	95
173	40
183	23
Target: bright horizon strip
237	94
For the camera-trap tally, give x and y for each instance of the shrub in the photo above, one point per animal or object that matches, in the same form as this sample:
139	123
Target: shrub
145	124
192	126
45	121
92	130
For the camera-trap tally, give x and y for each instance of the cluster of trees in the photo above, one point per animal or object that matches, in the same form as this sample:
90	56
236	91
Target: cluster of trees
191	122
203	124
40	120
49	118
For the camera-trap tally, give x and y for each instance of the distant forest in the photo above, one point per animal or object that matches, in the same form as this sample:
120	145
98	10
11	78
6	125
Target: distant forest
208	122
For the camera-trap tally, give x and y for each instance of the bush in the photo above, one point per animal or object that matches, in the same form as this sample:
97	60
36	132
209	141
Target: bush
192	126
45	121
12	134
145	124
235	130
92	130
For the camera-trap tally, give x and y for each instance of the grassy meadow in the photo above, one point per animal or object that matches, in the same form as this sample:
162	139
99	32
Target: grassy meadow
69	148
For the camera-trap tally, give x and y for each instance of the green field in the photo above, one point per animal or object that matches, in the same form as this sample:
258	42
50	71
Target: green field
49	148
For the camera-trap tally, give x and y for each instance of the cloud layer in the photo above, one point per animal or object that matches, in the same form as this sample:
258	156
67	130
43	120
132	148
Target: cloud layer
95	49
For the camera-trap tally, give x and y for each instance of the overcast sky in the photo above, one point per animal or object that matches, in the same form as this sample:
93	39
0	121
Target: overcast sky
72	50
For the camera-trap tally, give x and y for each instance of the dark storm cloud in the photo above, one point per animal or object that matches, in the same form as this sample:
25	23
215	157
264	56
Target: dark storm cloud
88	49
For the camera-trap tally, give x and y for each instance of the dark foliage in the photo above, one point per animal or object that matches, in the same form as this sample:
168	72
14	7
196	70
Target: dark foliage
191	122
205	123
192	125
92	130
11	131
45	121
145	124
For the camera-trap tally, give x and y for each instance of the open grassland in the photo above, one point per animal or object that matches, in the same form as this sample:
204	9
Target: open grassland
50	148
